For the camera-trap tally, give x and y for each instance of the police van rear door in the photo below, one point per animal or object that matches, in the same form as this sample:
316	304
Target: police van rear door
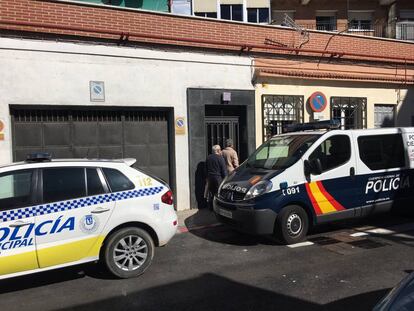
76	207
332	191
17	242
383	169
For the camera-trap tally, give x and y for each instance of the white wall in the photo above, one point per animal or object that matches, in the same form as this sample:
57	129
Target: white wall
51	73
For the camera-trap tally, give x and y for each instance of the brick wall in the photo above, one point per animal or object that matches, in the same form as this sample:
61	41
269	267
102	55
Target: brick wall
62	14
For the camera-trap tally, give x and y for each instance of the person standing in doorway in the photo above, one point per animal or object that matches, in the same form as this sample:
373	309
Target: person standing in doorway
216	169
230	156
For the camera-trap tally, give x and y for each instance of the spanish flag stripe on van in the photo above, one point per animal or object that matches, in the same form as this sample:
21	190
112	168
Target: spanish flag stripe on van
322	201
312	199
334	202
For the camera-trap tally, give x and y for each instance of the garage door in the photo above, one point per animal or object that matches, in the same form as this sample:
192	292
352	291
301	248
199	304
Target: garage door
105	134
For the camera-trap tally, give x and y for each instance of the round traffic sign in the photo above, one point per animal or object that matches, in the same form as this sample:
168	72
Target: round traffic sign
318	102
180	122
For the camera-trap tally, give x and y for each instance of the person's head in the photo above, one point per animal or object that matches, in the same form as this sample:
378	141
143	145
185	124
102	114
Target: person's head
216	149
229	142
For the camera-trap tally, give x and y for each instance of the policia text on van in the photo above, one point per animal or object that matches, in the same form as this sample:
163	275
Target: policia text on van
310	177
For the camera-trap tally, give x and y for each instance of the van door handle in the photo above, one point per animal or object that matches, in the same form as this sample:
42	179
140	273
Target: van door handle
352	171
19	223
100	210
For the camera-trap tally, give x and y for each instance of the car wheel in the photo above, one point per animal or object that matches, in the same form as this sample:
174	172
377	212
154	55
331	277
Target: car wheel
128	252
292	224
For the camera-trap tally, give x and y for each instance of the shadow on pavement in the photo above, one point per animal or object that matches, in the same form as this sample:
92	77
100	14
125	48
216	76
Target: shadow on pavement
56	276
204	224
212	292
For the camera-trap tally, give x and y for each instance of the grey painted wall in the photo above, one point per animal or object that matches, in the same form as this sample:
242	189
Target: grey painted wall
197	100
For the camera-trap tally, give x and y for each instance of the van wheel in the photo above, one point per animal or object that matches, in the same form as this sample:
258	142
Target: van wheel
292	224
128	252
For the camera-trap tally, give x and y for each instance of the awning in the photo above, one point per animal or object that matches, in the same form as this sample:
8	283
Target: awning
396	73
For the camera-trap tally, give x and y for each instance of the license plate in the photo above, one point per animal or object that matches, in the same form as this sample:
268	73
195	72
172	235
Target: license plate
225	213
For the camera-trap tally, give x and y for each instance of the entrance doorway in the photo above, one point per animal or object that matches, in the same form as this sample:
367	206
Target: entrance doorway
219	129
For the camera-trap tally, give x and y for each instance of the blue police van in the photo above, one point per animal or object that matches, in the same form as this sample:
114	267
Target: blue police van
316	173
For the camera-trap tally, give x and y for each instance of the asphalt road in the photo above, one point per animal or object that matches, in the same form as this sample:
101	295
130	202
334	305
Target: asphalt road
218	269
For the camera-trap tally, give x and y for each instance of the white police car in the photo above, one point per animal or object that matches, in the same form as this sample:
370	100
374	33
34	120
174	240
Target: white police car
57	213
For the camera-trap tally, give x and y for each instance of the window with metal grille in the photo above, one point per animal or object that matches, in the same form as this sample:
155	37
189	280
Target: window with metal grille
384	115
326	23
280	111
351	112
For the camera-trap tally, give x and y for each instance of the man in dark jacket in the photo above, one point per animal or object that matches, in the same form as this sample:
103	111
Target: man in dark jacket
216	169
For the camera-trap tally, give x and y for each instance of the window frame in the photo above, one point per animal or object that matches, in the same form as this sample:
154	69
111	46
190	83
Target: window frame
34	193
205	14
338	166
404	151
258	16
102	179
231	12
359	21
323	26
109	184
100	174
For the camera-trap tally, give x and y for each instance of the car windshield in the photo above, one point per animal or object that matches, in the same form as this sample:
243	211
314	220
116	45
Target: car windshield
281	152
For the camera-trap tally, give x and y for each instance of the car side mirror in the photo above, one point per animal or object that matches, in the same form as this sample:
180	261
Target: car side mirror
313	167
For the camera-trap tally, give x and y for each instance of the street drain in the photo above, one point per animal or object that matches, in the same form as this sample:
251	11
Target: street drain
367	244
324	240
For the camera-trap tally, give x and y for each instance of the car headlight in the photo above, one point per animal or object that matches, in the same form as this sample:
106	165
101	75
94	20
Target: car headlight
260	188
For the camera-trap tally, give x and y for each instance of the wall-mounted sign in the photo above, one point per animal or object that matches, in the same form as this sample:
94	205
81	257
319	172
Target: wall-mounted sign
318	102
97	90
2	130
180	126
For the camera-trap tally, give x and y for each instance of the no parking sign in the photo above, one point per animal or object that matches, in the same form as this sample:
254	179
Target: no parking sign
318	102
180	126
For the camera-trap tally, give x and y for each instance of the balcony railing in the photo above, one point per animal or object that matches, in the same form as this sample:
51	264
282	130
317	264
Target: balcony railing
401	31
405	31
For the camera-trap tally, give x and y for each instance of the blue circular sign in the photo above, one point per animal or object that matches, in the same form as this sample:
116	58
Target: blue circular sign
180	122
318	102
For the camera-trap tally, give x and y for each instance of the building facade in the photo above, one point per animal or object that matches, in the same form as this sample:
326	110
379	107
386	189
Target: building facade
86	80
379	18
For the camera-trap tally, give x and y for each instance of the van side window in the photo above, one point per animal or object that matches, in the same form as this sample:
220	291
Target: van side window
117	181
380	152
15	189
63	183
333	152
95	186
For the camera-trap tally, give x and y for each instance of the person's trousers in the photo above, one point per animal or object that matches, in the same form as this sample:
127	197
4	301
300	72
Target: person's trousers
214	182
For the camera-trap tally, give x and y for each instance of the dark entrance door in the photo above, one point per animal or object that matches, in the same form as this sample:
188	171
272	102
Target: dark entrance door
70	132
219	129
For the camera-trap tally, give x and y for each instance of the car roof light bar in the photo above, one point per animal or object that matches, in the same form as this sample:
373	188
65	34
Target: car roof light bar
311	126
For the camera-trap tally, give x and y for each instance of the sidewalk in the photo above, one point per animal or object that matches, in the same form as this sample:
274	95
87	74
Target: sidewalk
196	219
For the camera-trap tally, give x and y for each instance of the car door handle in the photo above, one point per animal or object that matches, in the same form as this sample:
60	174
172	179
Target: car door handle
100	210
19	223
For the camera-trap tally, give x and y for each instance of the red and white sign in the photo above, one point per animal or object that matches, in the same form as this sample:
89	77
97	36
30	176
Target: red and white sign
318	102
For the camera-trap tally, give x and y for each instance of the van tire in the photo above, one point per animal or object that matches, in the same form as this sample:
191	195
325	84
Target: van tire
292	224
128	252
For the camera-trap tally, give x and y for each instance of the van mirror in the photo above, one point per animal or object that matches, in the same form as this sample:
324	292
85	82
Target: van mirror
313	167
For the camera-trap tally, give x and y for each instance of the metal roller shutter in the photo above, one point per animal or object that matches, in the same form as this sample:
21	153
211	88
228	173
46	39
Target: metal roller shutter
105	134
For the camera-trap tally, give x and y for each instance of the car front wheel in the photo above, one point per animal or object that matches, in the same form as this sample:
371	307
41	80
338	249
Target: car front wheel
292	224
129	252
